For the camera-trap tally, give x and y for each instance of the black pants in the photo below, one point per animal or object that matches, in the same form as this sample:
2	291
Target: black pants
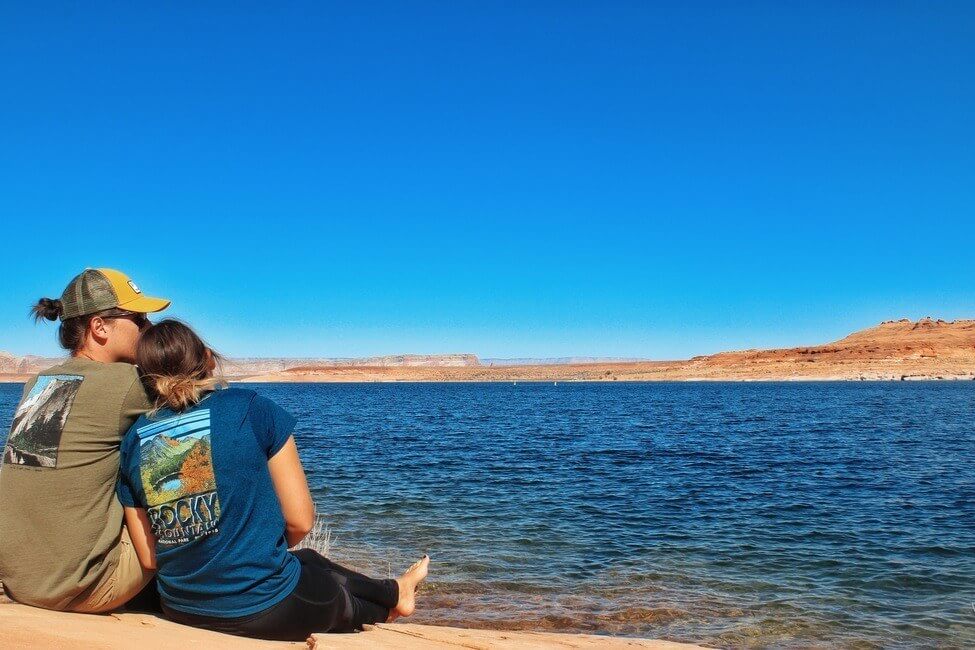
327	598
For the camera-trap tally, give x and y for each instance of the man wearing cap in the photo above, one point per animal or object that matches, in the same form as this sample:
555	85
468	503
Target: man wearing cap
62	542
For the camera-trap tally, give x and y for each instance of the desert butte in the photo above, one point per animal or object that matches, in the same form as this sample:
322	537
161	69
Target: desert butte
893	350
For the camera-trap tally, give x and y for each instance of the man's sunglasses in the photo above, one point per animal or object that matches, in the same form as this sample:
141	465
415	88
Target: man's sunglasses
140	319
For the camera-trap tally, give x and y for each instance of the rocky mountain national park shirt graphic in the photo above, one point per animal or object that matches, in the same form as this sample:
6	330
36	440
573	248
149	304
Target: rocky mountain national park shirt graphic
176	468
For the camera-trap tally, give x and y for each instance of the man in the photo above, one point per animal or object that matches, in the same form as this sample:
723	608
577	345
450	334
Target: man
62	542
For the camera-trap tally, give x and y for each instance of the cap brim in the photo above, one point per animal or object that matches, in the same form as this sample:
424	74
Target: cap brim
145	305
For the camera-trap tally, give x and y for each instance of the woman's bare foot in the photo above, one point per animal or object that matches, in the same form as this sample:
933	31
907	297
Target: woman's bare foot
408	582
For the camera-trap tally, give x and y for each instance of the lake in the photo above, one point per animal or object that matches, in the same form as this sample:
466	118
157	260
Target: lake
730	514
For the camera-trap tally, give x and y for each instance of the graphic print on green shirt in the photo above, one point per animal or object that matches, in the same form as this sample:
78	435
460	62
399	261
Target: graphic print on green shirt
35	434
176	468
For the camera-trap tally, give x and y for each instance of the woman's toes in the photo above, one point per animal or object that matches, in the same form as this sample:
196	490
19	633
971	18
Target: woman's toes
421	568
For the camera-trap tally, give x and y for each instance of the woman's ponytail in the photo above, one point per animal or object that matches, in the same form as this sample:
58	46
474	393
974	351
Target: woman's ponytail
180	392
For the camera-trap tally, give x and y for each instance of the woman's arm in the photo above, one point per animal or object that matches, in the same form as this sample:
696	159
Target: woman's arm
137	523
291	487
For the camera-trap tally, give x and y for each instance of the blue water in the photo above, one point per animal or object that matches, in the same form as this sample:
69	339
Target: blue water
731	514
172	484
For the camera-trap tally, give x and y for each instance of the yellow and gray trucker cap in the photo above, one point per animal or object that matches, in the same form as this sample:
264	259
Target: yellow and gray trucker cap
95	290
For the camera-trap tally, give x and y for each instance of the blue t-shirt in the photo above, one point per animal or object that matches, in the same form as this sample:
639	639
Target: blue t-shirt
202	477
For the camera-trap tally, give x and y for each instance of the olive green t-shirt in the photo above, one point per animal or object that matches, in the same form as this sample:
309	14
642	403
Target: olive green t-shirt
60	520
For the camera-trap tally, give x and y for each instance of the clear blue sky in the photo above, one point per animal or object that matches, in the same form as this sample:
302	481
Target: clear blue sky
510	179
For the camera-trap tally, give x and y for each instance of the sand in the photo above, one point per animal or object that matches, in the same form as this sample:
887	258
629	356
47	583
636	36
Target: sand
29	627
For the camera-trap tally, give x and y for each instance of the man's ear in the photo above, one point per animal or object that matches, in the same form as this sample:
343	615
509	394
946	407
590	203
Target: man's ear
98	329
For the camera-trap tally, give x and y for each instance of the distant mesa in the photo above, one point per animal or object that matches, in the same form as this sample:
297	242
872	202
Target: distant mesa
893	350
27	365
557	361
252	366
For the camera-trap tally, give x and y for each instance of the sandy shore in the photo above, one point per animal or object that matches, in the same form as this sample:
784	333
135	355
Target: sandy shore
29	627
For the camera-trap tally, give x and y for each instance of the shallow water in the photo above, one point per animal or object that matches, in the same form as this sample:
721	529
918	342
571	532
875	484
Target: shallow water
731	514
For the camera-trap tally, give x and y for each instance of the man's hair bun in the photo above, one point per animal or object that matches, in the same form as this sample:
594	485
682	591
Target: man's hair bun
47	308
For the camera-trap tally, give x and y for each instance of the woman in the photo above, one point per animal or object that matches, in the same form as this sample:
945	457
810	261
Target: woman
215	494
62	543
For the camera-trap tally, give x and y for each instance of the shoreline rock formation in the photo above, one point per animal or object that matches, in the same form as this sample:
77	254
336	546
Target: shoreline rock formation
892	350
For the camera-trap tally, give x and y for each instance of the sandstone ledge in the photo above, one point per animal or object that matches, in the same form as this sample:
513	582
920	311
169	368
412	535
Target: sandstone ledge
29	627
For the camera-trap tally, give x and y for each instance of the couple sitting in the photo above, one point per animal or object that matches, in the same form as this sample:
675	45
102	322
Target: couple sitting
114	475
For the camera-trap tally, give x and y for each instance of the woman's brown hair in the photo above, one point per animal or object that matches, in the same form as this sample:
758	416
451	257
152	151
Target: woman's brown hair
177	366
